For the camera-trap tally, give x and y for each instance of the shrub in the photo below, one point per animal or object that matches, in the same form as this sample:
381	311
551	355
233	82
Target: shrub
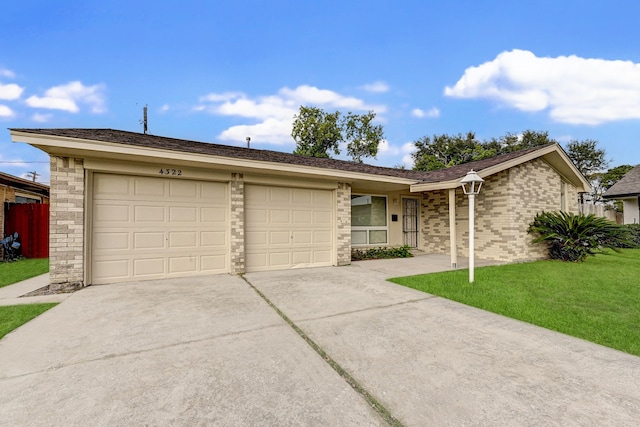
573	237
381	253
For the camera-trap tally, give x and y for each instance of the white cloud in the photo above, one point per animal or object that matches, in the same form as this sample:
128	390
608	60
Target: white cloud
67	97
165	108
432	112
387	149
572	89
274	113
41	118
6	112
7	73
376	87
10	91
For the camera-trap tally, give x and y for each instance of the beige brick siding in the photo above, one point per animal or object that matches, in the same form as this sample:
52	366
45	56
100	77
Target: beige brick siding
343	220
66	223
237	255
505	207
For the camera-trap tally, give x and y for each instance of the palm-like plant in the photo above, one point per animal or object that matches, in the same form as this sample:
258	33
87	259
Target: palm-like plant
572	237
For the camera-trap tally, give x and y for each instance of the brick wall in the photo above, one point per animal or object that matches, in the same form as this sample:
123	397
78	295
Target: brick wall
66	224
237	256
505	207
343	238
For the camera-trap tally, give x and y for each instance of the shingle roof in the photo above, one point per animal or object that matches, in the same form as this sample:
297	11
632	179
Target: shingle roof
205	148
25	184
629	185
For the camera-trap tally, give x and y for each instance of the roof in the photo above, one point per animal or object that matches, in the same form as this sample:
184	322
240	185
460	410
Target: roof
23	184
450	176
629	185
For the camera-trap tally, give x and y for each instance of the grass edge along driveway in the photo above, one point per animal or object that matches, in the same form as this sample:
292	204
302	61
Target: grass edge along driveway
17	271
597	300
14	316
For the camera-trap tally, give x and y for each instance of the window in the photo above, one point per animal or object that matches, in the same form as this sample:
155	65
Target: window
24	199
563	196
368	220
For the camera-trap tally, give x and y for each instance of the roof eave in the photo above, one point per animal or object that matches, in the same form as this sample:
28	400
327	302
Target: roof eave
60	145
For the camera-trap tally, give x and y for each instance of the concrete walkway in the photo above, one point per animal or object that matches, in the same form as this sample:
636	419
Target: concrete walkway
12	294
211	351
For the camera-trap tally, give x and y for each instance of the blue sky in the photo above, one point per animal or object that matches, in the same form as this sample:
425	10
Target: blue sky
218	71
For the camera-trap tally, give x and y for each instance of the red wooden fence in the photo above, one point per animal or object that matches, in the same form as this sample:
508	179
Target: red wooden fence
31	221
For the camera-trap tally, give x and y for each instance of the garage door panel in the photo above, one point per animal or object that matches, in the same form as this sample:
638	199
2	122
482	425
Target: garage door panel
112	268
183	190
183	264
322	237
288	227
214	215
183	239
148	187
279	238
157	227
148	240
214	263
183	214
109	212
279	216
301	237
148	267
280	259
111	241
214	239
110	185
142	214
301	196
303	217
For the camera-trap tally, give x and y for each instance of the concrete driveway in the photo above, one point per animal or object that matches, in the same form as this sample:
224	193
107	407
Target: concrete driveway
211	351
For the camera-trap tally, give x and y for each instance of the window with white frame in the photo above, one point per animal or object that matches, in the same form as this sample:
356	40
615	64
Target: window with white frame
368	220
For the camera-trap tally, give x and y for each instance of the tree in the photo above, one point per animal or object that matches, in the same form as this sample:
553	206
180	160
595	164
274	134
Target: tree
363	137
589	160
527	139
444	151
604	181
317	133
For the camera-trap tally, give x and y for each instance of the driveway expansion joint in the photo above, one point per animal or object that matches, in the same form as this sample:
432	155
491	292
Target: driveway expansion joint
383	412
362	310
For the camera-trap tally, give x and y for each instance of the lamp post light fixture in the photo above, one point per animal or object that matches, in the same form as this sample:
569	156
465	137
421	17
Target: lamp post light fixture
471	185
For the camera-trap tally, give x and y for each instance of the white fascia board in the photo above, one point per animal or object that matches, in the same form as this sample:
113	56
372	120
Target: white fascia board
53	144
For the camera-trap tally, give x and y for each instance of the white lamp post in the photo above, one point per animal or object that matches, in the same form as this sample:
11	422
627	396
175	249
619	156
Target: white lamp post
471	185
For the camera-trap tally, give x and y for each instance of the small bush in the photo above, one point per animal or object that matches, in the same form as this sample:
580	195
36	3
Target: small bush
633	236
573	237
381	253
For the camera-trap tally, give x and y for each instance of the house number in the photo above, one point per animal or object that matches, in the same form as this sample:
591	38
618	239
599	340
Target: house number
176	172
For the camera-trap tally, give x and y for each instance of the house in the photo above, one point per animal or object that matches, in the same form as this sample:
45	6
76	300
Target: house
127	206
19	190
627	190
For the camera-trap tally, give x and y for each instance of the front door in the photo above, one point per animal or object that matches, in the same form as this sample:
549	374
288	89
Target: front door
410	222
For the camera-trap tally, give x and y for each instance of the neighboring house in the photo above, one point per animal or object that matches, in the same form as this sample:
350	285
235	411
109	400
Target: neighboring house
128	206
627	190
15	190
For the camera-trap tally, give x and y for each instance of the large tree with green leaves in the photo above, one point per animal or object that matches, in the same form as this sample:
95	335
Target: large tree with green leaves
319	134
444	151
590	161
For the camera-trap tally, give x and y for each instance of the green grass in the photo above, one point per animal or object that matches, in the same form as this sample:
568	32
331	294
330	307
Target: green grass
12	272
14	316
597	300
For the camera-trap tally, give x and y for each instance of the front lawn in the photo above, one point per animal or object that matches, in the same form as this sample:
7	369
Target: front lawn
14	316
13	272
596	300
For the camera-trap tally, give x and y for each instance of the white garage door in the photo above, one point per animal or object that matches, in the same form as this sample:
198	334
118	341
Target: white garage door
288	228
146	228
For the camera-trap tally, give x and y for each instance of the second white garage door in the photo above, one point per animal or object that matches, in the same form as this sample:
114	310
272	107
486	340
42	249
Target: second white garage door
147	228
288	227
